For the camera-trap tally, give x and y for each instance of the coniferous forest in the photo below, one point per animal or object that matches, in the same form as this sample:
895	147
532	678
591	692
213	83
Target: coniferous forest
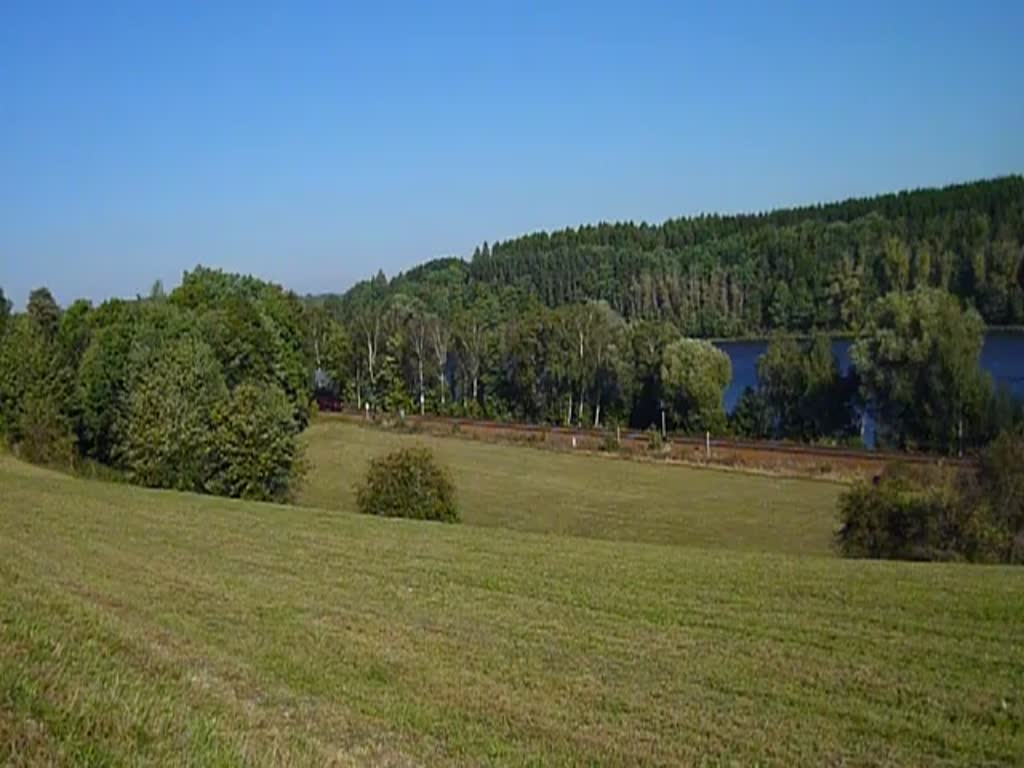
598	326
800	269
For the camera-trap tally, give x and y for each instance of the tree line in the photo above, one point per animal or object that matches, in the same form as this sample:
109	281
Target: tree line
204	389
207	387
595	326
504	355
802	269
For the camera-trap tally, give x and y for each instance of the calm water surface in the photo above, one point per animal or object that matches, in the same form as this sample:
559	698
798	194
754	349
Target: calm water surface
1002	356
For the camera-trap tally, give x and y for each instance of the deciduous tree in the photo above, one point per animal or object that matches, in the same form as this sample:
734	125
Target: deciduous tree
695	375
918	362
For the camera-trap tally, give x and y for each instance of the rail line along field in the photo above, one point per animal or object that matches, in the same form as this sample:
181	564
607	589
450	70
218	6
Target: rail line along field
583	494
779	457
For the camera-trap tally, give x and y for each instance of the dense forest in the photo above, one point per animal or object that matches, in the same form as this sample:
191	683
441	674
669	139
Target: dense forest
798	269
208	387
203	389
587	326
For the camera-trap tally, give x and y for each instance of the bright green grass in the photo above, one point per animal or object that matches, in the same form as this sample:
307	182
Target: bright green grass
591	495
142	627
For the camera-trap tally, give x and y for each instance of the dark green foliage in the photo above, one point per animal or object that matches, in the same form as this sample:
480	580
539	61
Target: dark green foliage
500	337
1004	412
804	395
17	346
751	416
28	371
927	513
73	338
580	327
328	349
44	433
899	519
648	341
797	269
255	329
103	390
38	360
1001	485
5	311
203	390
918	361
256	453
366	311
408	483
127	338
170	440
44	312
243	343
695	375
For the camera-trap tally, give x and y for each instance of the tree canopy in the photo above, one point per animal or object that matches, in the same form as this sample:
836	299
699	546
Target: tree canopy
816	267
805	395
573	326
695	374
165	388
918	363
595	326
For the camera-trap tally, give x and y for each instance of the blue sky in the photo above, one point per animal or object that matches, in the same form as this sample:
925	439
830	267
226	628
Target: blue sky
313	143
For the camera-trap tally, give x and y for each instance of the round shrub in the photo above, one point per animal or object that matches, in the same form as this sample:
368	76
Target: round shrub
408	483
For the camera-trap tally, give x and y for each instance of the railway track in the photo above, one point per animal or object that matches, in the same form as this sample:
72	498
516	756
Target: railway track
764	453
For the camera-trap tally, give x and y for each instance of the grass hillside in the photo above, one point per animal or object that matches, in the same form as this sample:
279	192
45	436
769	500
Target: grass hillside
141	626
594	496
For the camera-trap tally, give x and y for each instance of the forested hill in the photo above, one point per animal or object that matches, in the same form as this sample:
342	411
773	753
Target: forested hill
796	269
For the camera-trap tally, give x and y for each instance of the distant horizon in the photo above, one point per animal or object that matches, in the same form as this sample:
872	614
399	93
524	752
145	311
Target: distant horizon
19	301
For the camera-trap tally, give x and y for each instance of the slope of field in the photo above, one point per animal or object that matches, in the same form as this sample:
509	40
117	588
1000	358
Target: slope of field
591	495
140	626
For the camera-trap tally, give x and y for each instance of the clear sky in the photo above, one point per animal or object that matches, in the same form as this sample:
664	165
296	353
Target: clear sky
313	143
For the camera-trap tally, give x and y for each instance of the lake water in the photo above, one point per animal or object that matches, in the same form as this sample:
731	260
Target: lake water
1002	356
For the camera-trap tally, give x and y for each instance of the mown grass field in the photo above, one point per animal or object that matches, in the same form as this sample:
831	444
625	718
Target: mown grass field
146	627
603	497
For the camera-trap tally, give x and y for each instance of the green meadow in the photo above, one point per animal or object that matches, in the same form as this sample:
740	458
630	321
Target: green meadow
587	611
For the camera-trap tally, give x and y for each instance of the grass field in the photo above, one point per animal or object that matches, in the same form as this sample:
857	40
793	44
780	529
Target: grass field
594	496
141	627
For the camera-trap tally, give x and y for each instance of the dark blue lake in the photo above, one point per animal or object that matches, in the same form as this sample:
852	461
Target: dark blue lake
1002	356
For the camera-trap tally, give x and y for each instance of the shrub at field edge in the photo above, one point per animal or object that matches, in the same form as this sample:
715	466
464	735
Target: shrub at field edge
408	483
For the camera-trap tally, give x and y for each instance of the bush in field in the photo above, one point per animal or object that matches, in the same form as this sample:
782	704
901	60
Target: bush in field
256	448
920	514
408	483
1001	486
655	442
170	441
